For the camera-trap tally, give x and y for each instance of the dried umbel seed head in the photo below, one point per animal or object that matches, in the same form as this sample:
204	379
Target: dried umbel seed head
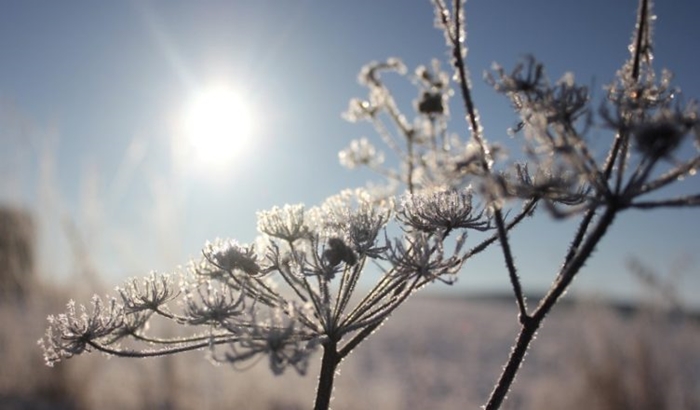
231	255
431	103
338	251
287	223
658	139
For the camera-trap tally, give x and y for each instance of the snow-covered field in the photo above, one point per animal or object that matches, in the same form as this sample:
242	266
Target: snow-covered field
434	353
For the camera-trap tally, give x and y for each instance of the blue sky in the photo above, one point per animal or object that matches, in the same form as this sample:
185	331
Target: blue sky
90	93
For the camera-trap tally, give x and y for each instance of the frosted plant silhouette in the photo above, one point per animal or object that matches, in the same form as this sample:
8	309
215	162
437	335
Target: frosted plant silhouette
296	290
287	295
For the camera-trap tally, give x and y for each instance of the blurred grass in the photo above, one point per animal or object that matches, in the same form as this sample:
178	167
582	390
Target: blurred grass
435	353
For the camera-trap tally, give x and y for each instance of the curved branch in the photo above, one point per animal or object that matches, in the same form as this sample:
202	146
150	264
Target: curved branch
156	353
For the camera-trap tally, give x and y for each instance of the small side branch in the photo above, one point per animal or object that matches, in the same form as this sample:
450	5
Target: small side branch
580	234
154	353
529	327
570	270
683	201
357	339
512	272
527	209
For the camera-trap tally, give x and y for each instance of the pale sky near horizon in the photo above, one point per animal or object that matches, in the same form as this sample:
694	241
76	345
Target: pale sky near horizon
93	94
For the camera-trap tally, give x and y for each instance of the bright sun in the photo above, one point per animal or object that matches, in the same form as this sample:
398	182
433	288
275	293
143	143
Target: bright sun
218	125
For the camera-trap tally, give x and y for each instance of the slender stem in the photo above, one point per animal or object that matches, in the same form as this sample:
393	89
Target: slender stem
683	201
640	46
155	353
411	165
669	177
527	209
458	54
527	333
569	271
361	335
622	160
473	120
329	363
580	234
512	271
529	327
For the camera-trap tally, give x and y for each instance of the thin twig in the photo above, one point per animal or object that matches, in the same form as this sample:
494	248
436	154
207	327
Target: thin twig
682	201
512	271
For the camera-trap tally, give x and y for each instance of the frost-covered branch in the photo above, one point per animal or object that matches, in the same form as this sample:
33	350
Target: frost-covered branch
292	292
299	288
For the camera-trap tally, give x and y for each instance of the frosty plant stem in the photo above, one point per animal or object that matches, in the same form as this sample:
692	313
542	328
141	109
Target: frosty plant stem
530	324
637	100
329	364
561	173
297	288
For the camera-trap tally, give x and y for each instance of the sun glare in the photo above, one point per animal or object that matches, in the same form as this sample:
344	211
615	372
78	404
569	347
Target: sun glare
217	127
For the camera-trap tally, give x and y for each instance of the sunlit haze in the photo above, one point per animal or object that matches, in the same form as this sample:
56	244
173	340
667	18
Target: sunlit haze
217	129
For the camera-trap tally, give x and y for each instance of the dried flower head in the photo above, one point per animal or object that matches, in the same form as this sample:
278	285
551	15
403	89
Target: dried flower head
286	223
658	140
213	304
355	217
231	256
73	332
422	256
148	294
337	252
443	210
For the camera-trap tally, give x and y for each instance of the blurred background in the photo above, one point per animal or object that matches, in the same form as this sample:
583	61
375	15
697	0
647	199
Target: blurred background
110	167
